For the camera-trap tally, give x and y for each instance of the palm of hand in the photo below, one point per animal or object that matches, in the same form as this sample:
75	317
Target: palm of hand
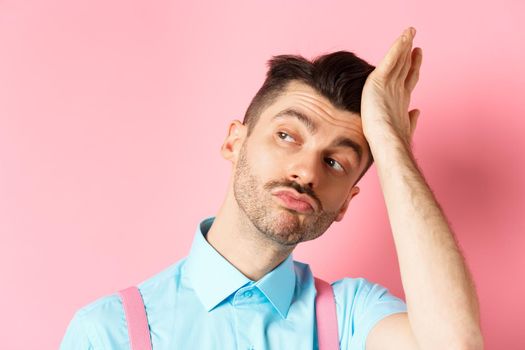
387	90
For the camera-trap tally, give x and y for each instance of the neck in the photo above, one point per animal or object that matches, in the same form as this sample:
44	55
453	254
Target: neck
234	236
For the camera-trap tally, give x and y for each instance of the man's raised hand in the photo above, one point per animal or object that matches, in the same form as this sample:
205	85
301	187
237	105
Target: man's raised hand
387	90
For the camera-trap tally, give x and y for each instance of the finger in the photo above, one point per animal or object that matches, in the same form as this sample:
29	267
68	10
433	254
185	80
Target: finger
407	63
413	116
388	63
413	73
399	69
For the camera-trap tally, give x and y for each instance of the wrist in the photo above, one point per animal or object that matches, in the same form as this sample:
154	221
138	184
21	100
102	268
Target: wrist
388	145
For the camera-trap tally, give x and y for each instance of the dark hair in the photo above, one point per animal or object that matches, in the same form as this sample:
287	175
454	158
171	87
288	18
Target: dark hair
338	76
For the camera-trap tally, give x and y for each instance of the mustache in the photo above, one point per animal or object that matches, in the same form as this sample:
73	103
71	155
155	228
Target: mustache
288	183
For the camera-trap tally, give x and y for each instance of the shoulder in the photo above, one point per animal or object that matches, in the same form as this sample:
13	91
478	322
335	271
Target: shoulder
165	282
358	290
111	304
362	297
89	322
102	322
360	304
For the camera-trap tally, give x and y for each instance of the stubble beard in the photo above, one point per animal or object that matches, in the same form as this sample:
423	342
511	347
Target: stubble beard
279	224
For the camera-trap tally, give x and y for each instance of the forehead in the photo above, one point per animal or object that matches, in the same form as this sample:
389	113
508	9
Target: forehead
303	98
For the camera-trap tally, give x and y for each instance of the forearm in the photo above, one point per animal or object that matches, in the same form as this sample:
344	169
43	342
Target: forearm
441	299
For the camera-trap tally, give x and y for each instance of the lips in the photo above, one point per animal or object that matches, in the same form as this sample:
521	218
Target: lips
293	200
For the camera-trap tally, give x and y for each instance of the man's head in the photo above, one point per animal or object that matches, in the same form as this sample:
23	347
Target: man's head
301	137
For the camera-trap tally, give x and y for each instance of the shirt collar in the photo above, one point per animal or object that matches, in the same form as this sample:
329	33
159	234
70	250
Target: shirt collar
214	278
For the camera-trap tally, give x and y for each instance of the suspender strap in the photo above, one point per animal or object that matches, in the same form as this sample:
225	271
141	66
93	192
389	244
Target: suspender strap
327	333
138	330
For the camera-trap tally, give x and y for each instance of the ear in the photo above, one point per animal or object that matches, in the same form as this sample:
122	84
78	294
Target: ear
234	140
353	192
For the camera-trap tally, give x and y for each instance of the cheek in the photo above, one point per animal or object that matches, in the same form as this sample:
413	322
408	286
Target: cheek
333	196
267	162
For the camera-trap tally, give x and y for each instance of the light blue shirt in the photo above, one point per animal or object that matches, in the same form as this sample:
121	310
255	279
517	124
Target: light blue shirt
203	302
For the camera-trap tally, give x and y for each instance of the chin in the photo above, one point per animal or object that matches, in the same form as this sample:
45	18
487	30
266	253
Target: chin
286	222
285	214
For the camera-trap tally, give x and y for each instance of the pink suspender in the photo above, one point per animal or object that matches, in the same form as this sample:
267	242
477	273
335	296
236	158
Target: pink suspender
327	332
139	335
138	330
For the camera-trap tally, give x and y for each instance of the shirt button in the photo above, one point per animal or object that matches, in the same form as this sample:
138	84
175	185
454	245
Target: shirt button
248	293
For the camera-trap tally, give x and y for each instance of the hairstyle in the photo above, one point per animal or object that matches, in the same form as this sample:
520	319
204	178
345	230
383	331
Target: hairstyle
339	76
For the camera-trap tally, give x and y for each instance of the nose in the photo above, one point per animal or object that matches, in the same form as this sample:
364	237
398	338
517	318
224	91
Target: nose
305	169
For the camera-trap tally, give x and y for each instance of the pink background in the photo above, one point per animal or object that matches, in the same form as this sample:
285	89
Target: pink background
112	115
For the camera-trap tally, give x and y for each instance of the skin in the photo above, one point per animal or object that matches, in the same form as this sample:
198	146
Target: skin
255	233
443	308
252	229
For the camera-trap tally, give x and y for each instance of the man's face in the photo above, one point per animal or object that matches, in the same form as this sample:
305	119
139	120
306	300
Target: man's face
303	152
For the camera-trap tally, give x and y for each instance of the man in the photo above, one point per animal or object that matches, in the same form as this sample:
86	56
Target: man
309	135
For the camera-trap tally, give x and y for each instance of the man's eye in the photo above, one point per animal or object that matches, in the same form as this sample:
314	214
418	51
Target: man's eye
283	135
334	164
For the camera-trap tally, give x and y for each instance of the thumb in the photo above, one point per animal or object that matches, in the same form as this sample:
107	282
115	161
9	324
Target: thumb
414	116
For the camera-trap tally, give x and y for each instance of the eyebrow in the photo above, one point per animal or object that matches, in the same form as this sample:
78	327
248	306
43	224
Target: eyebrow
312	128
349	143
290	112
